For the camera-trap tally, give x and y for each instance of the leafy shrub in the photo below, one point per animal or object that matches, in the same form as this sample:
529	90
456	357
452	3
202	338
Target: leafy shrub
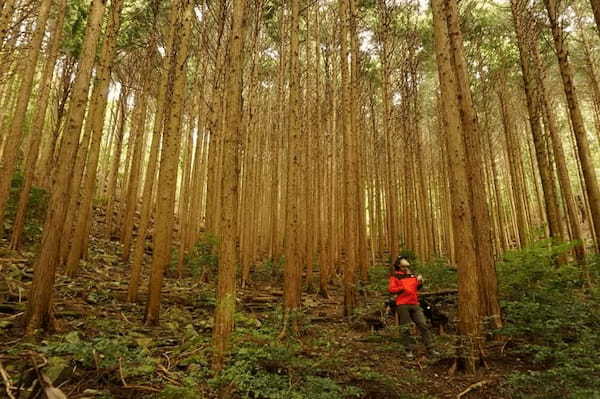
270	270
553	320
263	368
203	258
437	274
104	352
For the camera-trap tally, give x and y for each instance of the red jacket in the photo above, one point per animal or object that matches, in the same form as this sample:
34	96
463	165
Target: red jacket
406	286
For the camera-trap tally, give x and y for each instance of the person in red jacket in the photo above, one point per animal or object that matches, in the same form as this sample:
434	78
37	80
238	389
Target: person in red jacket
405	286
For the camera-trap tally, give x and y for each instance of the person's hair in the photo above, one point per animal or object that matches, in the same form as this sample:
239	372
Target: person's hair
399	259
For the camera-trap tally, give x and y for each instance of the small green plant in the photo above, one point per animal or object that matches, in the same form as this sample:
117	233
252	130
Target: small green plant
264	368
270	270
203	258
103	353
437	274
552	320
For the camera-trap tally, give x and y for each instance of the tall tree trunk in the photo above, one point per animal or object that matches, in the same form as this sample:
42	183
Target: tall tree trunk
167	178
232	139
86	164
13	140
37	127
469	310
349	168
471	131
566	73
561	165
292	270
132	196
515	160
39	314
526	40
151	169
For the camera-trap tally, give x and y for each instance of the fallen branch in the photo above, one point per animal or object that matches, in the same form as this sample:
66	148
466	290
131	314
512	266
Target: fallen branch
136	387
7	383
473	387
14	260
50	390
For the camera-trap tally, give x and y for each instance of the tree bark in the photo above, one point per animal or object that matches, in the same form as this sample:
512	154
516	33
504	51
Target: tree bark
151	169
585	156
292	270
469	310
526	40
13	140
349	167
232	139
37	127
596	10
472	138
167	178
38	314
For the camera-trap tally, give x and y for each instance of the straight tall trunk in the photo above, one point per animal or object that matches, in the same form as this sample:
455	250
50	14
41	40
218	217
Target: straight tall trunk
232	139
527	43
349	167
515	161
169	162
13	140
132	195
293	265
150	174
562	167
37	126
472	133
39	306
113	177
566	73
469	307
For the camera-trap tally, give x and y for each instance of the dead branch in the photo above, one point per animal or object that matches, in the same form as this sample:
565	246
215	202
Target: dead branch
136	387
473	387
7	383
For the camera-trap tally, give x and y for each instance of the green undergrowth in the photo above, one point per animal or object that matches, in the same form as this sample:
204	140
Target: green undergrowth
36	209
263	366
202	259
553	321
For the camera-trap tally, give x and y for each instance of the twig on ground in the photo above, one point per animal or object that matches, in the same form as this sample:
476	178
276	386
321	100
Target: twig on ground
125	318
166	375
14	260
136	387
7	383
472	387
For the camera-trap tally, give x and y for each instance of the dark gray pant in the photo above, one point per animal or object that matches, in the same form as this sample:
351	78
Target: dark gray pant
406	314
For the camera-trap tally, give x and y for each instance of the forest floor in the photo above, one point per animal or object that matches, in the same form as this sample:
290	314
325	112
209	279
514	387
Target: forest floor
102	350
